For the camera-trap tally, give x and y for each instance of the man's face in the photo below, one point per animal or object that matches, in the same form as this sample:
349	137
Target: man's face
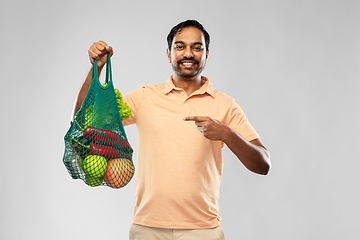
188	52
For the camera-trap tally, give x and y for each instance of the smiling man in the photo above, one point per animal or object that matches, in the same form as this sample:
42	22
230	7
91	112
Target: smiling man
183	125
188	52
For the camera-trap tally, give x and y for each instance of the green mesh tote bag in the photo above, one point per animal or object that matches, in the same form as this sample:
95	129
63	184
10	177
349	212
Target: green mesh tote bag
96	147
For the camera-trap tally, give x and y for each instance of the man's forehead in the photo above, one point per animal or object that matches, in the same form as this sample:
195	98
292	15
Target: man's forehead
189	35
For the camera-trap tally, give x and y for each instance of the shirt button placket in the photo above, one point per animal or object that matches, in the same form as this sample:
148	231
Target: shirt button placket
182	94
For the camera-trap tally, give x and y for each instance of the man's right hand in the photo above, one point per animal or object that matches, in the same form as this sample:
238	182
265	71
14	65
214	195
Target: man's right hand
99	52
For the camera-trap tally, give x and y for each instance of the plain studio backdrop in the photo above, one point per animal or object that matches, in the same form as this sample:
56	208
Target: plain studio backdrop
293	66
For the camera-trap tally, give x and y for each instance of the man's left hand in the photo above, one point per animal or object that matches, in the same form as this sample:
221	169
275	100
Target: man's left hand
210	128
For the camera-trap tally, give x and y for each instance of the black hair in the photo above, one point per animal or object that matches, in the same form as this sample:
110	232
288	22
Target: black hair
188	23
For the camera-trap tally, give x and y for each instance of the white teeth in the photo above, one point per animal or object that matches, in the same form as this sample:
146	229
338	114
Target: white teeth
188	64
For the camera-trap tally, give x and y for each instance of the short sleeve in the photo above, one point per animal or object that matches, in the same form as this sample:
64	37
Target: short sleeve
238	121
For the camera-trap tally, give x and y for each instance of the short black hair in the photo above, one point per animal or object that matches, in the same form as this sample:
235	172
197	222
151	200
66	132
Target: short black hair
188	23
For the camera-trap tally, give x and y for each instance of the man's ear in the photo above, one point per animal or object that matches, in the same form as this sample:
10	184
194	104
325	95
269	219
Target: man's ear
207	54
168	53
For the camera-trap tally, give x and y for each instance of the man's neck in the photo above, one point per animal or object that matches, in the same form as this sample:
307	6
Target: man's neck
189	85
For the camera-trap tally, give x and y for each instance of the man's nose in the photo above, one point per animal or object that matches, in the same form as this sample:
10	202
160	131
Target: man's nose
188	53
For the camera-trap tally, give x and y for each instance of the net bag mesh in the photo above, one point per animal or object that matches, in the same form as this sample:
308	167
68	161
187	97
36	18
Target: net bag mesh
96	147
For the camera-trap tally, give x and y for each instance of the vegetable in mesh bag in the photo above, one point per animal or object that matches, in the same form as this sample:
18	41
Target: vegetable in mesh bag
105	137
124	109
107	151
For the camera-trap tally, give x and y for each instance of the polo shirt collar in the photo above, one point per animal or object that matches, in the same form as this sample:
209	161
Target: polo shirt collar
205	88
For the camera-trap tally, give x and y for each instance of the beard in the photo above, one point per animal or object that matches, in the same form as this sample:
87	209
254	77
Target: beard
187	74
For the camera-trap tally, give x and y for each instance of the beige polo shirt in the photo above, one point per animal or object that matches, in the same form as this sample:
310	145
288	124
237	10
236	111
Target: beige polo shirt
178	171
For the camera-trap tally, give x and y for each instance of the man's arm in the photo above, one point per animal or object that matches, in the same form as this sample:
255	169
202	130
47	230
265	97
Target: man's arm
253	154
99	52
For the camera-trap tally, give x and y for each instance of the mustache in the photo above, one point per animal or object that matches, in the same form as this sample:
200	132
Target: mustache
188	59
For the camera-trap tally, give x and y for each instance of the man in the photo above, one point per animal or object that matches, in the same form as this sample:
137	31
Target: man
179	163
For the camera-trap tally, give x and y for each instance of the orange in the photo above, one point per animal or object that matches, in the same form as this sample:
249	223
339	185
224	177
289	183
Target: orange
119	172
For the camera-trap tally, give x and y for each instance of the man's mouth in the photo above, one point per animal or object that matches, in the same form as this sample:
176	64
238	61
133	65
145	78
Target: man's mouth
188	64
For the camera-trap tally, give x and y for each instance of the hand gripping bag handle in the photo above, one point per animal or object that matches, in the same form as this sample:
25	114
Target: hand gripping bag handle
108	69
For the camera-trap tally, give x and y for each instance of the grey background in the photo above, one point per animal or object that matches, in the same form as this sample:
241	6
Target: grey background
293	66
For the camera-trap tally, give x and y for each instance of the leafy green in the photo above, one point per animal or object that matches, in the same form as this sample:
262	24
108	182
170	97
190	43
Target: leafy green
124	109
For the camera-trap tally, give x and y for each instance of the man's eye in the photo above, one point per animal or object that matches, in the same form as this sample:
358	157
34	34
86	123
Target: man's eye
179	47
197	48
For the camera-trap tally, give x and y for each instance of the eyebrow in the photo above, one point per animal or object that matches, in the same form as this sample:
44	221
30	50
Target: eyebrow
195	43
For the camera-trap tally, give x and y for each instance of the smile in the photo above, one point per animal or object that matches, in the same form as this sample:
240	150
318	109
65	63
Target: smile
188	64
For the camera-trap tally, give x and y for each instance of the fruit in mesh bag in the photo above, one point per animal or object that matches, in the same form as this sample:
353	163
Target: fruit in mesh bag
93	181
94	166
119	172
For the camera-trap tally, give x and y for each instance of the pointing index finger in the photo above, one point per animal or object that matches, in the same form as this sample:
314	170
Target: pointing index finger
195	118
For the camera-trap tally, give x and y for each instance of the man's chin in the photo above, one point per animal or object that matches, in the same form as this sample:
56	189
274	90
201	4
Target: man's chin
188	74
